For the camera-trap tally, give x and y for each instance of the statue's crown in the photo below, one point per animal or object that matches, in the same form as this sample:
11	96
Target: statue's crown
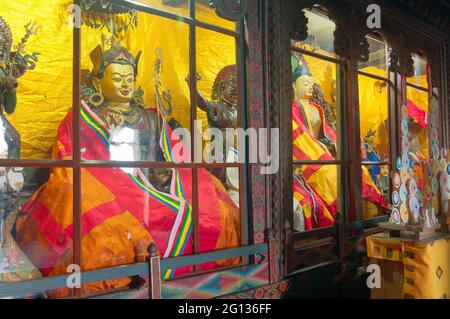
116	54
5	33
300	70
227	73
371	133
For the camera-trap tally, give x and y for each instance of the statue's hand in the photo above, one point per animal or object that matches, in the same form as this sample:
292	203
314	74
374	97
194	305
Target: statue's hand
15	179
331	146
113	118
160	177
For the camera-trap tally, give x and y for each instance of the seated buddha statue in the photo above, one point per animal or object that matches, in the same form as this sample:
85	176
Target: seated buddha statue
14	63
315	185
123	210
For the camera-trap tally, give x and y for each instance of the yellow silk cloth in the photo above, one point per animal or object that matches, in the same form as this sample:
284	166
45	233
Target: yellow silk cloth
374	110
426	264
45	94
420	98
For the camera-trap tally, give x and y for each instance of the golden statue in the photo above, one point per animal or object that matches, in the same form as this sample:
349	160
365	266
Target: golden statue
123	209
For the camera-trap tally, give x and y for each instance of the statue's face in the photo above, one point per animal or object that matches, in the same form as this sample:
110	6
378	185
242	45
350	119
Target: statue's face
117	85
228	91
303	87
414	143
370	139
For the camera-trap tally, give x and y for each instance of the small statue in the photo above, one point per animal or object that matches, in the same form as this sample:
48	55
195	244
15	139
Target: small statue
222	113
383	181
13	65
414	149
222	110
371	154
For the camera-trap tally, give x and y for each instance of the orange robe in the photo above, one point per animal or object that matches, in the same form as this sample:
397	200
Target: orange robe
121	213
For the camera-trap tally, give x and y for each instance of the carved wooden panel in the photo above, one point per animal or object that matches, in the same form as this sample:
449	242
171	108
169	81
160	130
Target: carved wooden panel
447	113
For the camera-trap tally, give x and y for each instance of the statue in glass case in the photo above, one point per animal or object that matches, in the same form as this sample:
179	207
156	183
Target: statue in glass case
371	154
13	65
222	113
315	185
123	209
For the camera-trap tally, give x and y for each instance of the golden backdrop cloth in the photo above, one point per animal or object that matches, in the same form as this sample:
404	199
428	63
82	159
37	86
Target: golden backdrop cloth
426	264
45	94
373	108
420	98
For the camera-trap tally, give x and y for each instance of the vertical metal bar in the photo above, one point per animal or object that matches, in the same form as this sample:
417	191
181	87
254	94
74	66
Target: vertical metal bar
245	191
193	115
354	194
242	121
273	261
343	179
443	95
393	120
77	258
342	154
342	141
265	30
154	272
191	4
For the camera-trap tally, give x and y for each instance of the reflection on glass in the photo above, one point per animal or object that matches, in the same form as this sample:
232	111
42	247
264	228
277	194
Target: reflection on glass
121	100
377	63
35	91
205	13
375	191
374	119
315	196
217	95
420	72
219	208
36	220
180	7
320	33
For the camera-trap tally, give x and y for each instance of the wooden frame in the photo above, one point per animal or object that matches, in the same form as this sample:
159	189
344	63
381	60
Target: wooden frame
401	34
77	163
403	31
